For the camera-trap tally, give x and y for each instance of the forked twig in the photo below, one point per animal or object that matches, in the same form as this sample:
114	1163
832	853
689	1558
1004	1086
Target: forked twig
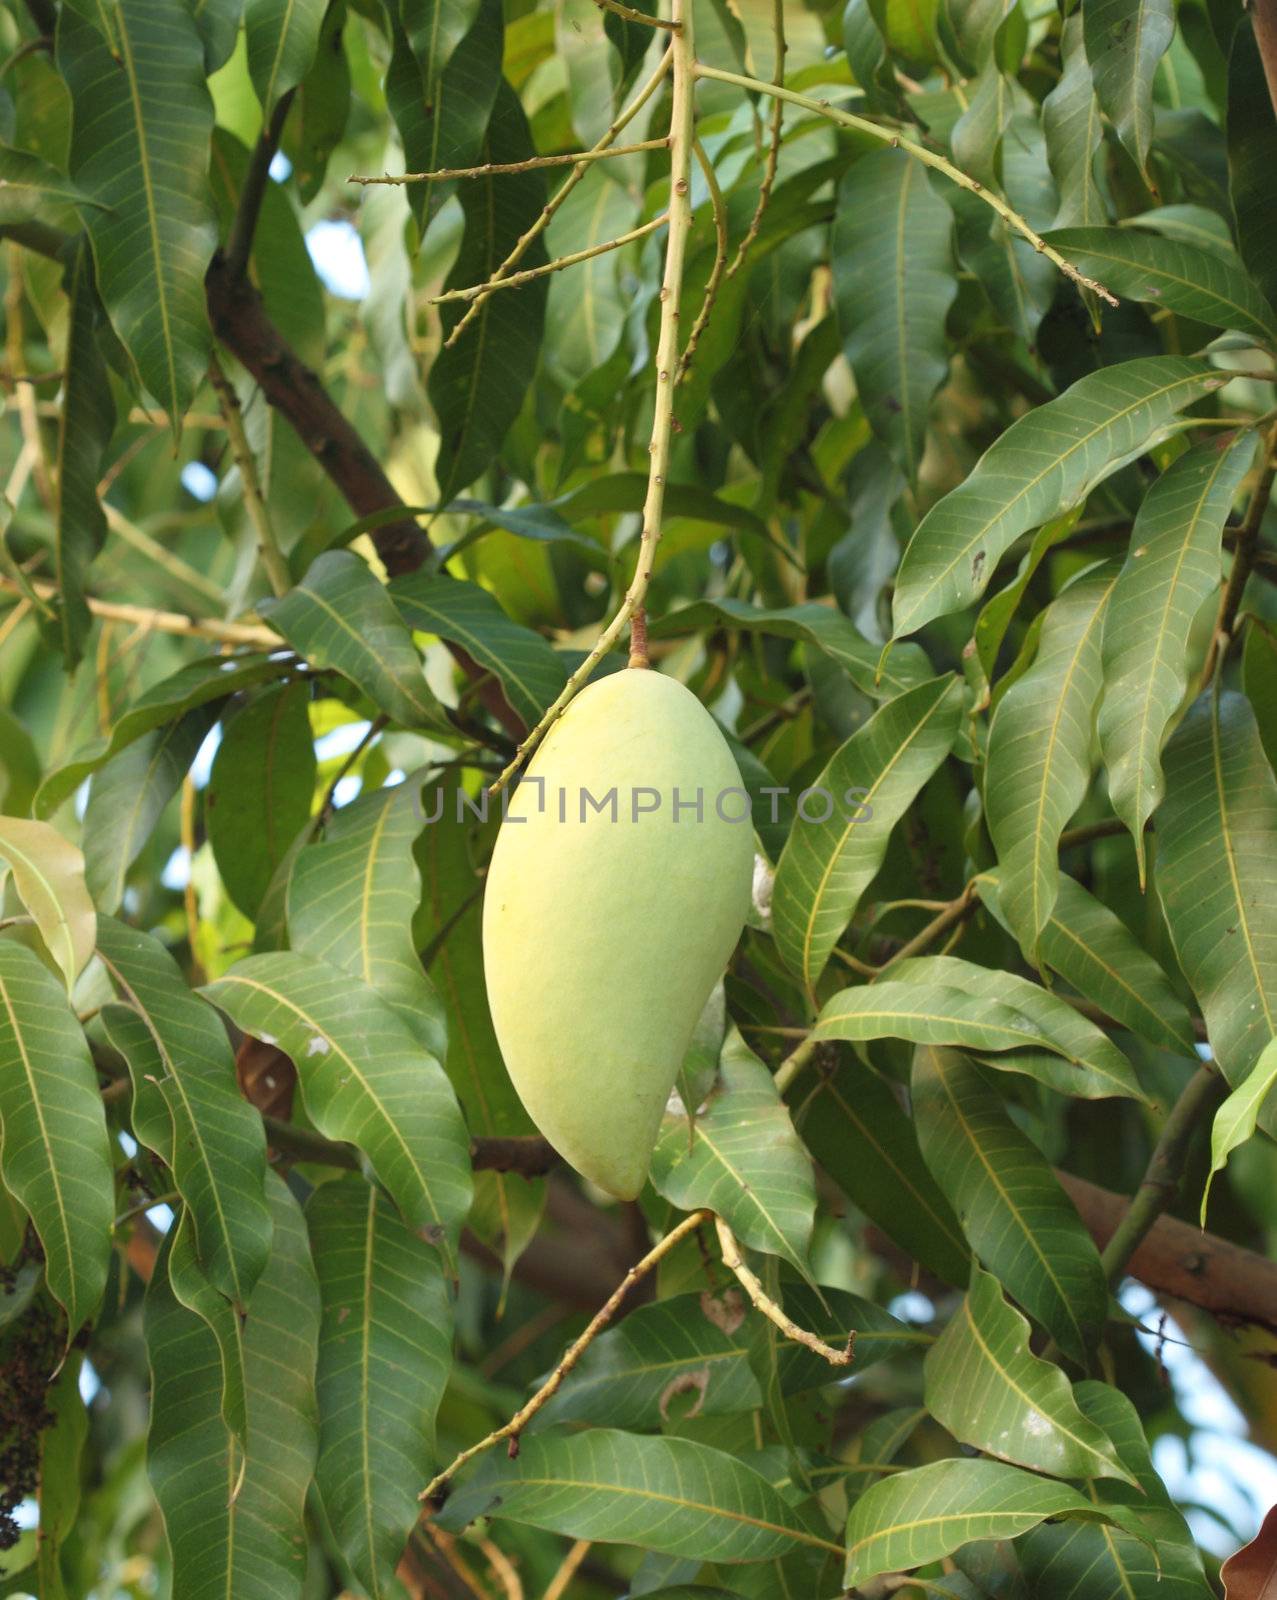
762	1301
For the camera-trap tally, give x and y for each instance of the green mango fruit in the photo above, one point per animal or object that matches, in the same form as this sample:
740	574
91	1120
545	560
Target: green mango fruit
612	905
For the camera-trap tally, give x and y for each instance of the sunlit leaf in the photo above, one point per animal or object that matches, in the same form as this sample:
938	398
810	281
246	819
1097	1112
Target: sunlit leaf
1235	1120
48	875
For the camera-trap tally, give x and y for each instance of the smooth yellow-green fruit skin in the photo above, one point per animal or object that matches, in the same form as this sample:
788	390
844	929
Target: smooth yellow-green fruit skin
602	938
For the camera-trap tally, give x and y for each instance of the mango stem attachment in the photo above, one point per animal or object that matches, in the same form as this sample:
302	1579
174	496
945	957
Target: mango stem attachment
762	1301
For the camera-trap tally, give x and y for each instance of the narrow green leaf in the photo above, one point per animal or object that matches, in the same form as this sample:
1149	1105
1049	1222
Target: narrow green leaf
868	785
477	387
187	1106
867	55
85	424
1071	123
128	795
986	1386
1046	461
32	188
260	790
341	617
820	626
1125	39
524	663
1217	875
741	1158
894	281
914	1517
224	1321
1018	1219
1172	568
252	1544
352	897
48	875
1252	151
139	147
1185	278
1236	1119
853	1124
282	38
1039	757
364	1078
385	1351
1093	949
54	1159
669	1495
998	610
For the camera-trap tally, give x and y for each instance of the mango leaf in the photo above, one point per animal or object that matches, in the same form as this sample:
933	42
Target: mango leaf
1093	950
1235	1120
54	1159
128	795
984	1384
1073	131
820	626
187	1106
260	790
385	1350
525	665
1173	567
48	875
998	610
1086	1062
1098	1563
506	1208
1018	1219
196	684
1125	39
894	281
352	896
854	1126
192	1288
587	307
62	1443
139	147
364	1078
1217	875
1252	150
1259	681
31	187
1185	278
868	784
252	1544
669	1495
1027	476
341	617
85	426
477	387
1039	756
919	1515
741	1158
282	38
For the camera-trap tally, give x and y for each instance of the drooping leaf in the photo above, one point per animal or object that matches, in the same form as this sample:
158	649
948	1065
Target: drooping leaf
1071	124
1185	278
894	281
1039	756
187	1107
352	897
128	795
139	146
1045	462
48	875
853	1124
1018	1219
1125	40
477	386
341	617
364	1078
741	1158
665	1494
820	626
385	1350
260	790
1093	949
1235	1120
868	784
1172	568
1217	874
54	1157
85	425
920	1515
282	37
251	1544
985	1385
529	671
